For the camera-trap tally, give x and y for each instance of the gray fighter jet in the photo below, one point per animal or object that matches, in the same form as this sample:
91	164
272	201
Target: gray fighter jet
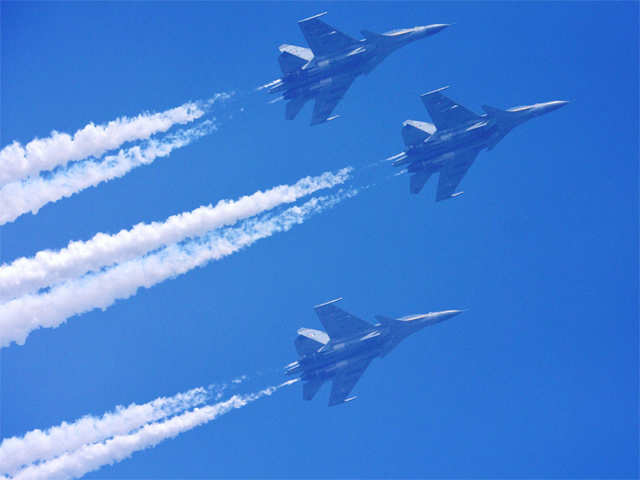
327	70
344	352
452	142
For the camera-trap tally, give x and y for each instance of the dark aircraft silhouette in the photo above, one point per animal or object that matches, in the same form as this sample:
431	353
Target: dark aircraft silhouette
452	142
343	353
326	70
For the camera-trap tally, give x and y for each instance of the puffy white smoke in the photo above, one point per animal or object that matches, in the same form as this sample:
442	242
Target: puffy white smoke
26	275
40	445
19	161
30	195
93	456
21	316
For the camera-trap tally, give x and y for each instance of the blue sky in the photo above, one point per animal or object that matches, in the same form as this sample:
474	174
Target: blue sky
538	379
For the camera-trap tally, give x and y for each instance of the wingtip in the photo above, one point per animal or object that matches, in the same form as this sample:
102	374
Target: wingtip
435	91
328	303
321	14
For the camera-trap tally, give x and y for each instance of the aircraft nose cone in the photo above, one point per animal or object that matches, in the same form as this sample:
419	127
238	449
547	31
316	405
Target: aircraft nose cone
435	28
551	106
433	317
447	314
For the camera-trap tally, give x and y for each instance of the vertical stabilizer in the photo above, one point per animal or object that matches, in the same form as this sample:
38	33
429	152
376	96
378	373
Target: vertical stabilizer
415	132
290	63
309	341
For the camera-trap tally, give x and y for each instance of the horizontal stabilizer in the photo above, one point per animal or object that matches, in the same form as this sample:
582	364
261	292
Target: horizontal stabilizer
290	63
415	132
309	389
417	181
294	107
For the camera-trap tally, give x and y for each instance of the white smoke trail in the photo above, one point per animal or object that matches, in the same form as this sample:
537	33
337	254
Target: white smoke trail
21	316
26	275
20	197
93	456
18	161
39	445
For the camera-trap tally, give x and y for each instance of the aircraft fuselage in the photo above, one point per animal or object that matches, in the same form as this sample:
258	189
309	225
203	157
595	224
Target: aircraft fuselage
443	146
325	362
326	73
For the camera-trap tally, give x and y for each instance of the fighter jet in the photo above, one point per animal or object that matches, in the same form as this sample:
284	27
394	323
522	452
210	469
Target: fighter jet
343	353
452	142
327	70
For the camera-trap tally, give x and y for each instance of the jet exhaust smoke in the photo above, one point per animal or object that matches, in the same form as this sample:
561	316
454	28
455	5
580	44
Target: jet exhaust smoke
92	456
26	275
39	445
21	316
18	161
18	198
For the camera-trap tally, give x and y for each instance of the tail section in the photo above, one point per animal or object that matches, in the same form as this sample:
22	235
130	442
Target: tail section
290	63
417	181
301	52
414	132
294	107
293	58
309	341
310	388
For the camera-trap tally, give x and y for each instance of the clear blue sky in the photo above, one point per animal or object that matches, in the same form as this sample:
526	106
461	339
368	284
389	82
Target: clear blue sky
538	379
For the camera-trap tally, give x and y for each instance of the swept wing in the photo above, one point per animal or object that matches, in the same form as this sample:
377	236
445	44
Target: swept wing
323	39
338	323
327	100
452	173
444	112
346	379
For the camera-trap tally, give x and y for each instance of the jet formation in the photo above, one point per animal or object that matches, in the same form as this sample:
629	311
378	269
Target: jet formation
325	71
348	346
452	142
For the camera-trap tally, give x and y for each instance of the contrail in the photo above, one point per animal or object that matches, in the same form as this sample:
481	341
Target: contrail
18	198
18	161
21	316
93	456
26	275
39	445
